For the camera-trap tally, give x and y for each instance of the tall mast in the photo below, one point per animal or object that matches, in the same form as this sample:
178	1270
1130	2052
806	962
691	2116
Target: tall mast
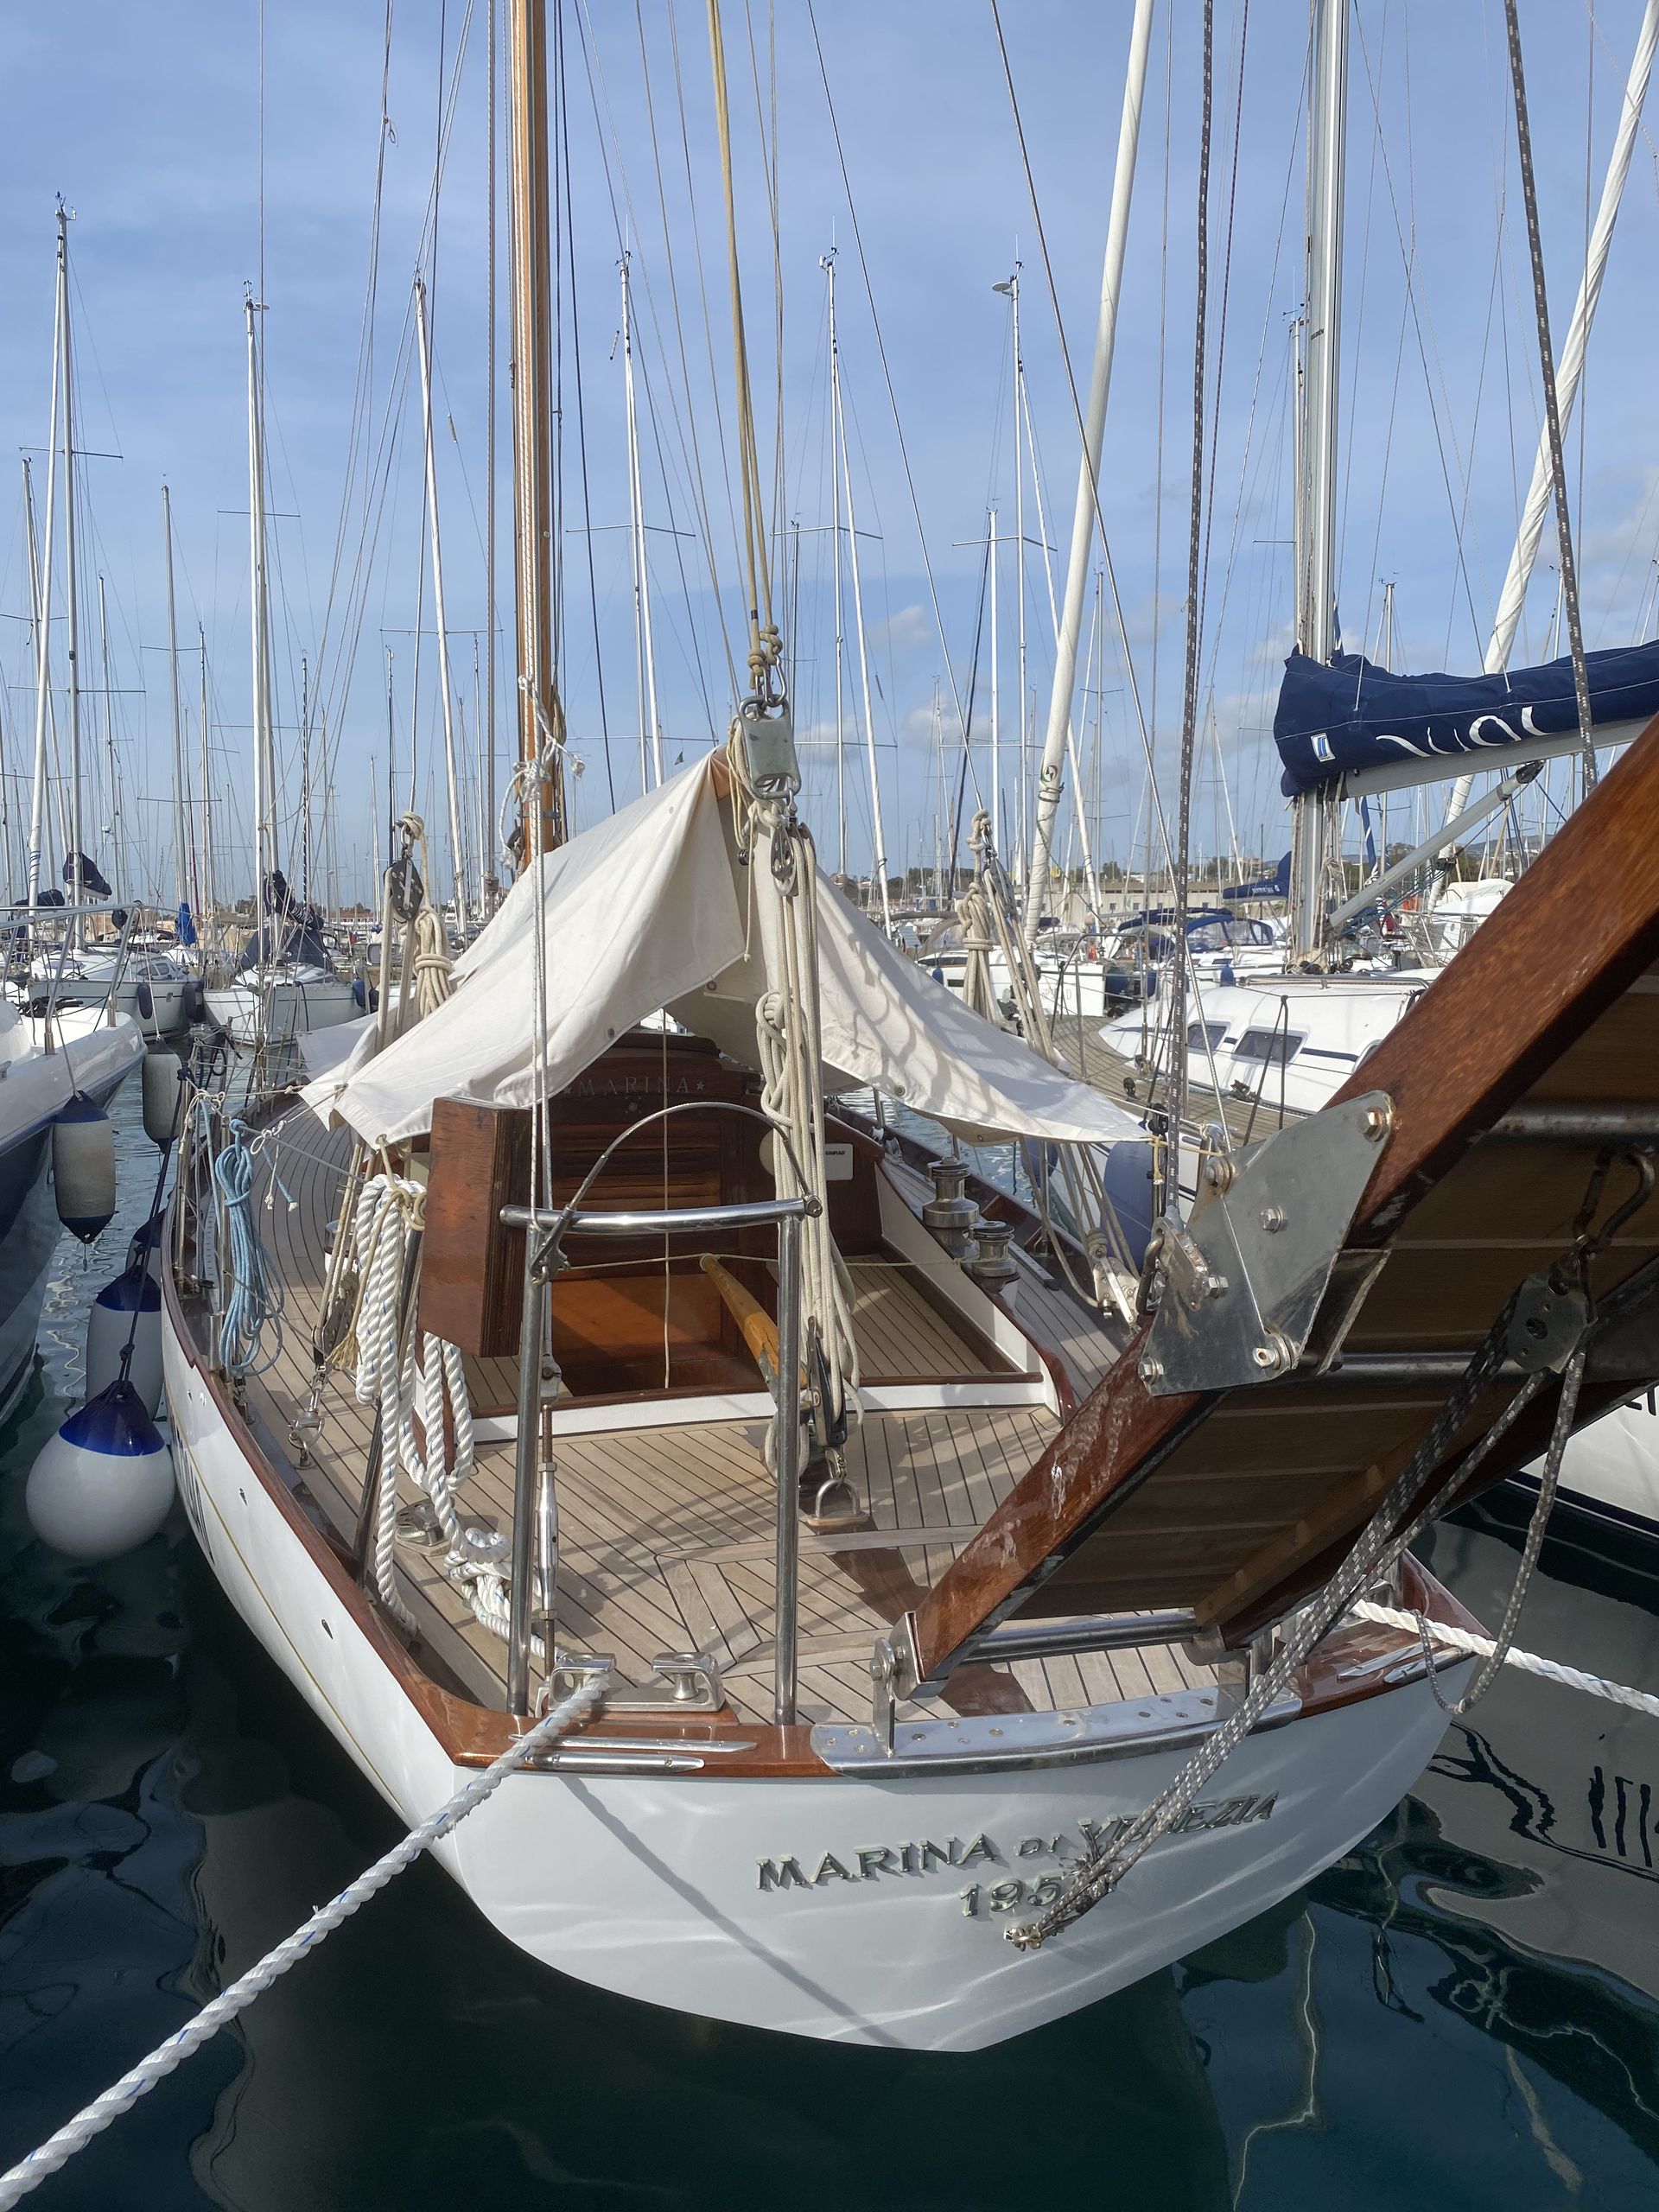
264	759
539	709
879	857
305	780
117	873
1316	617
1079	825
650	734
827	262
179	840
70	596
1011	287
457	841
1050	772
996	707
208	893
39	599
486	883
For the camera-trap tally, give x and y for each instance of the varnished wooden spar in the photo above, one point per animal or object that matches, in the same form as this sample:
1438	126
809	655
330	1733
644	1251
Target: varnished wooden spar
1234	1503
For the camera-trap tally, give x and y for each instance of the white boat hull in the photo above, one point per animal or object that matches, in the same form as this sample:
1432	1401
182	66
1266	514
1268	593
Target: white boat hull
867	1906
282	1009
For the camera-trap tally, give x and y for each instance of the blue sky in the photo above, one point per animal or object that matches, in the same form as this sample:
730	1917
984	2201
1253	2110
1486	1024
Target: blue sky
149	123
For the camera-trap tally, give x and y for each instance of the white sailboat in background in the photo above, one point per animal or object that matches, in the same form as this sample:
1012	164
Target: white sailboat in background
284	983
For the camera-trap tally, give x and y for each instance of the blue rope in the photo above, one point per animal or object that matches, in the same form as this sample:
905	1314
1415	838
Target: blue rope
255	1300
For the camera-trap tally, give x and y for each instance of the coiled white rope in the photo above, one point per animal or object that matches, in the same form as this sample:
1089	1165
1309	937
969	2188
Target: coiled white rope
93	2118
1483	1647
389	1372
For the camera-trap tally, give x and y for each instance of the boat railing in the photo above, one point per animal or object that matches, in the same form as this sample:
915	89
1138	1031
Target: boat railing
548	1226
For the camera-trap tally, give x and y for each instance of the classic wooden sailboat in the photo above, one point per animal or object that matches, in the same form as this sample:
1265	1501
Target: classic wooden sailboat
1065	1572
910	1586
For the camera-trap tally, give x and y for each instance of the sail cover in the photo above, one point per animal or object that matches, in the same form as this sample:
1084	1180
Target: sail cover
648	911
1353	716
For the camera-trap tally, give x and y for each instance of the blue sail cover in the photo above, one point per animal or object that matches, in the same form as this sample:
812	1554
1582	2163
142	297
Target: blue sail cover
184	927
1354	715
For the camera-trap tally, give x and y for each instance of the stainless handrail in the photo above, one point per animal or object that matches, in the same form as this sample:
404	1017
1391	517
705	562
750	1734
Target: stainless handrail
752	1214
1089	1632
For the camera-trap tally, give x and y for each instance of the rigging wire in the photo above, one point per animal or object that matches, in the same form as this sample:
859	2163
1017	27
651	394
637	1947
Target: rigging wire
1552	411
763	630
1194	619
893	402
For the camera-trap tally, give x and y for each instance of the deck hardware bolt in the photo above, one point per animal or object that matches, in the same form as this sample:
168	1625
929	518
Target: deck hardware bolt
1152	1370
1215	1286
1265	1356
1272	1219
1376	1123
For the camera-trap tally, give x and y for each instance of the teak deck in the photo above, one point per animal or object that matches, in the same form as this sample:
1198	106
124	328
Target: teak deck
667	1532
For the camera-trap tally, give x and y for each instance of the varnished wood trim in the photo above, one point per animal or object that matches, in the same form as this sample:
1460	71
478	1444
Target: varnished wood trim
1534	976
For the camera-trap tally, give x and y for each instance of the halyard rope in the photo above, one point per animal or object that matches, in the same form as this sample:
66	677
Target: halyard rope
254	1299
93	2118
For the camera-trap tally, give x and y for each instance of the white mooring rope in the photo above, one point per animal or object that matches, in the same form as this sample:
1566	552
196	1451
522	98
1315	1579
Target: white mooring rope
93	2118
1482	1647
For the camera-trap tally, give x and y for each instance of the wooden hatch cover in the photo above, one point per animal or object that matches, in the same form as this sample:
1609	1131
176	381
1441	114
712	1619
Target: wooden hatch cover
1531	1058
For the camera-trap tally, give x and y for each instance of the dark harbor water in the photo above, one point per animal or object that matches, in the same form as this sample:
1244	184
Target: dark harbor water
1463	2012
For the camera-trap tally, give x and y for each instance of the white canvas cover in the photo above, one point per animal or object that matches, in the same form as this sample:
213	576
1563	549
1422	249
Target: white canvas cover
646	912
637	911
888	1025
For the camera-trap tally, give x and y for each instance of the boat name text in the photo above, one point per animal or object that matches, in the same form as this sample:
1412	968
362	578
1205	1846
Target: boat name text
928	1857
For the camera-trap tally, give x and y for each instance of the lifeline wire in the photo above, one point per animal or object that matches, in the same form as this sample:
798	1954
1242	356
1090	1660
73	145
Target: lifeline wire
93	2118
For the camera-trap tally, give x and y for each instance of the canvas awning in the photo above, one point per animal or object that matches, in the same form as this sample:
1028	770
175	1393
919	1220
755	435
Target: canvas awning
646	910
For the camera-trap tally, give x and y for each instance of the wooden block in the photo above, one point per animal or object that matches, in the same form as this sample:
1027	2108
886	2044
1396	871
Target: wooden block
472	1268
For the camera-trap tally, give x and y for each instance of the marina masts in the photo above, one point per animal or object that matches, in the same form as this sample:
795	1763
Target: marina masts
651	734
264	857
70	597
457	839
1051	772
180	843
40	600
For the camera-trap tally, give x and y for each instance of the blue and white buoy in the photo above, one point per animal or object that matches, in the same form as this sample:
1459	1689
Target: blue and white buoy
102	1485
129	1306
83	1168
